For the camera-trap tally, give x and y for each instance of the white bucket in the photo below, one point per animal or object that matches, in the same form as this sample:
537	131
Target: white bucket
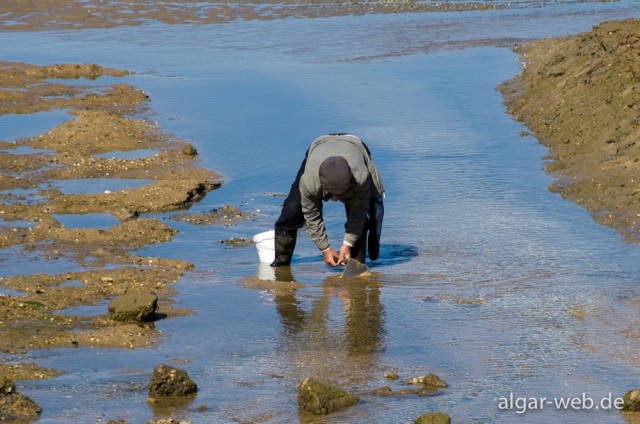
265	243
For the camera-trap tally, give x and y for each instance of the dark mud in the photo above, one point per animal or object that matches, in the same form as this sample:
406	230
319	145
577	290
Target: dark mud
105	118
580	96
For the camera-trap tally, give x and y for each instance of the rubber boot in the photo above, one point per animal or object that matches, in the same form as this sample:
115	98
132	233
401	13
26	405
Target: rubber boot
285	242
359	250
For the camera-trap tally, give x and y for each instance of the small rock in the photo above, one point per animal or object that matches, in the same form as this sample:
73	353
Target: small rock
167	421
391	375
383	391
322	399
126	214
6	386
237	241
189	150
106	279
433	418
133	307
631	401
13	405
427	380
170	381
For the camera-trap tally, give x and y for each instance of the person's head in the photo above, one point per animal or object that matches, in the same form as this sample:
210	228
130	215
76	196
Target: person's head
335	176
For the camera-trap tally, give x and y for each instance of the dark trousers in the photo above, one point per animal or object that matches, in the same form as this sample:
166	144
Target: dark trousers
291	218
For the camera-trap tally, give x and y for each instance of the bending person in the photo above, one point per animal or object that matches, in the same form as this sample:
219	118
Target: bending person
336	167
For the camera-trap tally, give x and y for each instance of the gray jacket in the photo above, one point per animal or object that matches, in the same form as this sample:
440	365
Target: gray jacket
368	184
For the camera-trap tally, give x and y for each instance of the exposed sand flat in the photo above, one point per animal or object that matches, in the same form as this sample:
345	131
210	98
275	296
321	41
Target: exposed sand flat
580	96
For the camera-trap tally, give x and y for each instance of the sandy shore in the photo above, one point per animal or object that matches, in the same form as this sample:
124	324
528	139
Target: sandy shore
580	96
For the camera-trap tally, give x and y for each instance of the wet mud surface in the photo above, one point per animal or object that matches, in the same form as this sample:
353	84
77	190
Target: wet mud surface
226	216
30	15
580	95
104	118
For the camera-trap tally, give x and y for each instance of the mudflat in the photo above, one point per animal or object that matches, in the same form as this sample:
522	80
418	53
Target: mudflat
580	95
39	15
104	118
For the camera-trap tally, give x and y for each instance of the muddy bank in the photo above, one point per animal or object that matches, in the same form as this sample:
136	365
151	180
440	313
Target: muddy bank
38	15
580	96
103	119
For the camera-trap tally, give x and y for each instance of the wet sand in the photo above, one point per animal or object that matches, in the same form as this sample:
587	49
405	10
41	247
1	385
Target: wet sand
30	15
580	95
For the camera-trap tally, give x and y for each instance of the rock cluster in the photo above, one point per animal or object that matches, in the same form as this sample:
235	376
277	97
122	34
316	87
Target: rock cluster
170	381
13	405
429	380
319	398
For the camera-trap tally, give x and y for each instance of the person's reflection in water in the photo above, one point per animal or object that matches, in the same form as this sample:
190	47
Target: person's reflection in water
364	316
325	344
287	304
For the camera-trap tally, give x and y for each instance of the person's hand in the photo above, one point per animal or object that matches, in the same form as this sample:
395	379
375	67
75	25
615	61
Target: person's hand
345	253
330	257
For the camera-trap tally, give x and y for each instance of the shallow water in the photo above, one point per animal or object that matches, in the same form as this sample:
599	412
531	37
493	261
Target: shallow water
15	126
97	185
25	150
87	220
485	277
85	310
22	195
9	292
133	154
